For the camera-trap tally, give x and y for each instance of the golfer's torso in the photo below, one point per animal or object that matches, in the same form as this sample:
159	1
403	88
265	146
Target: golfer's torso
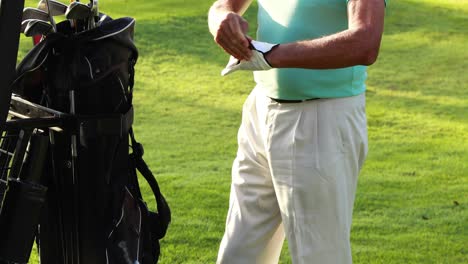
281	21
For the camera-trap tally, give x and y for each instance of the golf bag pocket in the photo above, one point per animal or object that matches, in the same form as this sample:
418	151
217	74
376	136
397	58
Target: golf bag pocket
125	236
132	238
151	248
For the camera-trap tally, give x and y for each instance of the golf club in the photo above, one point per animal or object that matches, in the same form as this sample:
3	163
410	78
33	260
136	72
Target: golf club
78	11
34	13
37	27
24	23
75	11
94	14
56	8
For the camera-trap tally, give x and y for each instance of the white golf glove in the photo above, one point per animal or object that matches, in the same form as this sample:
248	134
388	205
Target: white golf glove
256	63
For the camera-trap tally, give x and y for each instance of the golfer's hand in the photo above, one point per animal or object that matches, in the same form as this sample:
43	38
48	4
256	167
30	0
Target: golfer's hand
256	63
231	36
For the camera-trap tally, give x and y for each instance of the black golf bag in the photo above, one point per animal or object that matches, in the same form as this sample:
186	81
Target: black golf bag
78	88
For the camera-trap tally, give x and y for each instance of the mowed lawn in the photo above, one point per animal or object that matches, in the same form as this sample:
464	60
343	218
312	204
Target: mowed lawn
412	200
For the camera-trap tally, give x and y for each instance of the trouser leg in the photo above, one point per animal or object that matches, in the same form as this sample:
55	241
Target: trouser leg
299	161
254	233
315	152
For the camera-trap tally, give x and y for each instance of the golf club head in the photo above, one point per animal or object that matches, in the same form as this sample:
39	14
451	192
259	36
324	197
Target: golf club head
94	14
37	27
56	8
94	8
34	13
77	10
25	22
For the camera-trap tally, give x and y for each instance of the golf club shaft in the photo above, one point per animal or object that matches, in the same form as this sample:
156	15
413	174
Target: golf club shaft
76	187
59	185
51	19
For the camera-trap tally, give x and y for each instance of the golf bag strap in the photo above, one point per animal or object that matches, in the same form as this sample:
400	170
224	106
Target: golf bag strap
114	125
164	211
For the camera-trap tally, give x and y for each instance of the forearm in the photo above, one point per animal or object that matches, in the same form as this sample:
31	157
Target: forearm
343	49
358	45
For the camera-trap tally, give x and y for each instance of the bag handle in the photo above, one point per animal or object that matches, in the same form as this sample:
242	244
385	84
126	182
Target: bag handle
163	207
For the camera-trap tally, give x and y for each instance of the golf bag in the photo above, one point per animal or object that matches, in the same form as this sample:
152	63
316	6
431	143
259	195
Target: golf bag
92	208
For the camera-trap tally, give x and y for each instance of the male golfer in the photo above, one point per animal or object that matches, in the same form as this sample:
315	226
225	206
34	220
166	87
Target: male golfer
303	137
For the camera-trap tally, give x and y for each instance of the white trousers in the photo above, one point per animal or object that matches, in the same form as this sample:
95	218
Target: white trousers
295	175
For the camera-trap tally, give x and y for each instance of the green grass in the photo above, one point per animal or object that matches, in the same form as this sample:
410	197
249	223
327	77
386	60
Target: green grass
412	200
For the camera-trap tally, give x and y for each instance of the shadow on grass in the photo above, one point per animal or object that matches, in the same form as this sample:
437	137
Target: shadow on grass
423	50
184	35
425	107
420	16
177	36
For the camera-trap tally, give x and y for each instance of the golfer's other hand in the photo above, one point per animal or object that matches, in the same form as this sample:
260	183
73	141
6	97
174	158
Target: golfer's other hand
231	35
256	63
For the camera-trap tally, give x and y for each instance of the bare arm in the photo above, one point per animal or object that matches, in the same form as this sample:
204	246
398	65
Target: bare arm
358	45
228	27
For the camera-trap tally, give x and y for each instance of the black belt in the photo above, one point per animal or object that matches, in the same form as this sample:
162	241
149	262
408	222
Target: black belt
283	101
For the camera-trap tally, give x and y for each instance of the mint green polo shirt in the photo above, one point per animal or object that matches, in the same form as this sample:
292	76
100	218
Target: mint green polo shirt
283	21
